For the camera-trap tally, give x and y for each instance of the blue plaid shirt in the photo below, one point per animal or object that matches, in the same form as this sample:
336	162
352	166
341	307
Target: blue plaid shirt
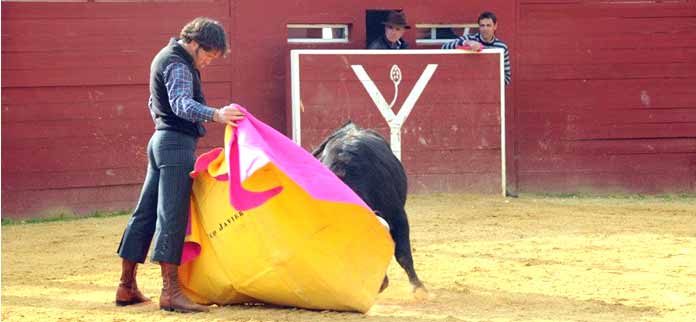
179	83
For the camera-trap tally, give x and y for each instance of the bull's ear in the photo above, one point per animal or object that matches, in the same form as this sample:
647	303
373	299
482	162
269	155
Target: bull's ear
319	150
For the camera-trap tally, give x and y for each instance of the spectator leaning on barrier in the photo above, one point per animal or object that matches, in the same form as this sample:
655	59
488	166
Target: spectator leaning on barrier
485	38
178	108
394	28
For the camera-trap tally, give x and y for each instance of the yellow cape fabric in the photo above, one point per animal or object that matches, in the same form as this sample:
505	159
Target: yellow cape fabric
293	250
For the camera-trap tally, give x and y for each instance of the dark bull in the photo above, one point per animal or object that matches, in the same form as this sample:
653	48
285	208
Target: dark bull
365	162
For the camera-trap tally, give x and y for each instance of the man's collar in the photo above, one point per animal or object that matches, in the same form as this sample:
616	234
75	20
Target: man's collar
487	42
174	42
392	45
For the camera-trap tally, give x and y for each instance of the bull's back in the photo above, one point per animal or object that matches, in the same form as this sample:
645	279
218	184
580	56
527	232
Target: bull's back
365	162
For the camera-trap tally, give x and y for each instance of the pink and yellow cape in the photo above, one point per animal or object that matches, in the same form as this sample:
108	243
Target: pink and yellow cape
270	223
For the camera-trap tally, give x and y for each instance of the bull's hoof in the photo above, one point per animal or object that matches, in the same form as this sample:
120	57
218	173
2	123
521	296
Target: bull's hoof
420	293
385	284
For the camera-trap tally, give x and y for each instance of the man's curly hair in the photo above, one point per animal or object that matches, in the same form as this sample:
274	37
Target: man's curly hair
208	33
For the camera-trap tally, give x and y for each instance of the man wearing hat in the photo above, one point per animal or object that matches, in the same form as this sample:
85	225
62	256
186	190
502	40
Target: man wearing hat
394	28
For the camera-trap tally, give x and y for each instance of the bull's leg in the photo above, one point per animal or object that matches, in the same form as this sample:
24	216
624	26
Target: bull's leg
402	241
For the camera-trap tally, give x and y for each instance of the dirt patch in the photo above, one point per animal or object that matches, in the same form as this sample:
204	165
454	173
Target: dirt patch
483	258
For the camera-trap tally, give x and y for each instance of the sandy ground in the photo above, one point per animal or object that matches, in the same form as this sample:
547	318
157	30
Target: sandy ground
483	258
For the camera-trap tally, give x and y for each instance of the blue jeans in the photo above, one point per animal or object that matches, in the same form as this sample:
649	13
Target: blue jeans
163	208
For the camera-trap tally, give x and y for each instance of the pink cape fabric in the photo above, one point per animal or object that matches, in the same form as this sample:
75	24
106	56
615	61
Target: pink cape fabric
255	144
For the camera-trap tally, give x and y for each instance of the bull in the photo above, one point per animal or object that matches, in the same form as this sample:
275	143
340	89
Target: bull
363	160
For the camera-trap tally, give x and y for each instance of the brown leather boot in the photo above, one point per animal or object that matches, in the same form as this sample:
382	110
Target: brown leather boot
127	292
173	299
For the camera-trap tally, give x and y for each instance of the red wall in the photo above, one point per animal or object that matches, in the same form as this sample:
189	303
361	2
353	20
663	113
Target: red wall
602	97
74	96
606	97
451	139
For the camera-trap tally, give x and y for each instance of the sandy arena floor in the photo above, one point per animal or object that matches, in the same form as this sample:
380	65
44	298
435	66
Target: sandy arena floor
483	258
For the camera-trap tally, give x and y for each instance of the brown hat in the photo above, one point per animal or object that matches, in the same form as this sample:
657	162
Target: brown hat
396	18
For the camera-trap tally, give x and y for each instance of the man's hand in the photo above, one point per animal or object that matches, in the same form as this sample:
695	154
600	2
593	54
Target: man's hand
229	114
471	45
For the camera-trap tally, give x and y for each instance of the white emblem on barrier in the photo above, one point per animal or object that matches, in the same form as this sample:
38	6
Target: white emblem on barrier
395	75
395	121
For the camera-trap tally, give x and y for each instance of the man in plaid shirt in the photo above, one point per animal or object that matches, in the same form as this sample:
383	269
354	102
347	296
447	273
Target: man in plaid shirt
178	109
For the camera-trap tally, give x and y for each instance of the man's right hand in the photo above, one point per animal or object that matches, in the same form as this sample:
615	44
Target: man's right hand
229	114
471	45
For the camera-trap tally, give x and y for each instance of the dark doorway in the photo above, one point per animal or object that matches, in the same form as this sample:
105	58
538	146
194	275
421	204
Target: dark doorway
373	21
